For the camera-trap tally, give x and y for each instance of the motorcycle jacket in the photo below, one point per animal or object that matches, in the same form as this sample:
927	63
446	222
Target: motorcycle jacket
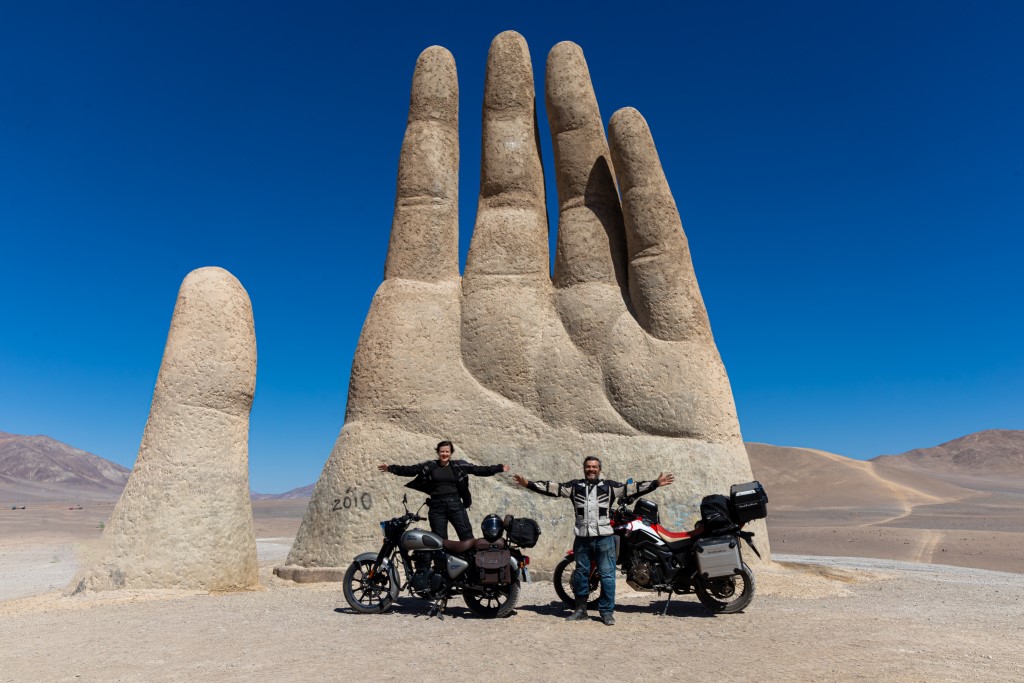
593	500
424	483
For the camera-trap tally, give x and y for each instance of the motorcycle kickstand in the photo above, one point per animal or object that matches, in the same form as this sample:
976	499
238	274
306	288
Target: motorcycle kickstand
664	610
438	608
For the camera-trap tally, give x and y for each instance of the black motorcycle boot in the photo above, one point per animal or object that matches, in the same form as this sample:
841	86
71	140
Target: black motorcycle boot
580	614
608	619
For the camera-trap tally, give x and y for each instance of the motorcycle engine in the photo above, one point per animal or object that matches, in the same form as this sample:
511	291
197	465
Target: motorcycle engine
641	575
425	580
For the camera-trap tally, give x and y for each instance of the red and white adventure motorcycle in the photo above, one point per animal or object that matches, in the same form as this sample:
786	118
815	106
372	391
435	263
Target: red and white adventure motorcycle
706	561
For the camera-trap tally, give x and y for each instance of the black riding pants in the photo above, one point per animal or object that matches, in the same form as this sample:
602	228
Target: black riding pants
446	509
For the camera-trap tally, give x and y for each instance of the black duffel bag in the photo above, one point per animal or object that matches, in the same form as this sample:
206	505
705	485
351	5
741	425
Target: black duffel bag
714	514
522	531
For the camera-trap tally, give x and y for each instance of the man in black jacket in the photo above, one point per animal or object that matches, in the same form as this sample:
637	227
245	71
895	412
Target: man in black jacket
446	481
593	498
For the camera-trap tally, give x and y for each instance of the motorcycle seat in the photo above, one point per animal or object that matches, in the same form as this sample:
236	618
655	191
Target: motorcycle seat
471	544
458	546
672	536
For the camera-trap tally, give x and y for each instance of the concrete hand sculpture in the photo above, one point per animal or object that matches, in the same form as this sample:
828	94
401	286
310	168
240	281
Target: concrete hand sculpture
612	355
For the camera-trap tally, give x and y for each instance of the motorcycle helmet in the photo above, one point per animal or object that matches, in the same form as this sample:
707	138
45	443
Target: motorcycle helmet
493	527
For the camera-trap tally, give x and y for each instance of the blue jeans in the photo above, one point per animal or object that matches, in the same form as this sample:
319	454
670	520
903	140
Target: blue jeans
601	551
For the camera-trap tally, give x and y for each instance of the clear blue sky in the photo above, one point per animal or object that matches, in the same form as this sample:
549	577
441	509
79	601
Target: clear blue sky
850	177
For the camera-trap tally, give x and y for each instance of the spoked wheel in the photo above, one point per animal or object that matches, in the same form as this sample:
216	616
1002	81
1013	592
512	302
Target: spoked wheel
563	584
366	594
727	594
493	601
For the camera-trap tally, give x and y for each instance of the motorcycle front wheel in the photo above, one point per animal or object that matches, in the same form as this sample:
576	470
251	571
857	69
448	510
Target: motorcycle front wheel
562	579
365	594
493	601
726	594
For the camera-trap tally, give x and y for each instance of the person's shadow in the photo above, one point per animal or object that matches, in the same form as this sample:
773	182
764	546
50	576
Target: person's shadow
676	608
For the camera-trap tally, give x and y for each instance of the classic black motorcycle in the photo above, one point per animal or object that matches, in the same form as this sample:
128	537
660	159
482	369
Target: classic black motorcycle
487	572
706	561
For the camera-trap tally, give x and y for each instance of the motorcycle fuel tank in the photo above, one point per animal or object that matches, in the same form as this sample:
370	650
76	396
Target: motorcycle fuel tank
418	539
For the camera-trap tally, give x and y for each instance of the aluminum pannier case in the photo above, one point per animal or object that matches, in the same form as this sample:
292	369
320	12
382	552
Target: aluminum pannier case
718	557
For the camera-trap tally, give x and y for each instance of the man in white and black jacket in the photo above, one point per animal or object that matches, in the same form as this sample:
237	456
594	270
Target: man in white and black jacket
593	498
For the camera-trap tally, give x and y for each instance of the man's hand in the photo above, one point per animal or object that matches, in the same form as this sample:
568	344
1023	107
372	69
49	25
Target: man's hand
504	468
383	467
665	479
521	480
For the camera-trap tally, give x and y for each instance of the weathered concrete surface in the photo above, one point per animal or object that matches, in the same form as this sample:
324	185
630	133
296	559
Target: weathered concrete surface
613	355
184	519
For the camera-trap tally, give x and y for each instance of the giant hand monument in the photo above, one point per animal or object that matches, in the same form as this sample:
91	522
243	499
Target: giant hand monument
612	355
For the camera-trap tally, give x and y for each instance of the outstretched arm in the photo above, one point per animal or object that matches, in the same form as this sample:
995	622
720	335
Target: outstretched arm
401	470
547	488
642	487
485	470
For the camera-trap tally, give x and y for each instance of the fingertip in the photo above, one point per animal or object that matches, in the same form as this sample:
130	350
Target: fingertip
435	87
564	52
508	83
569	91
634	155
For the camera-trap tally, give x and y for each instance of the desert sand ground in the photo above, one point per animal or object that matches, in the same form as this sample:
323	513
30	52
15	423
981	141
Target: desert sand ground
813	618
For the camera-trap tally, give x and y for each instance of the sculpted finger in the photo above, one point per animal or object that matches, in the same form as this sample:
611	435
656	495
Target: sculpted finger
510	236
425	230
662	284
190	485
591	241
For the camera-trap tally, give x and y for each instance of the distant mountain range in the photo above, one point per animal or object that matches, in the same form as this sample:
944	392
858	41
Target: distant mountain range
301	492
992	452
38	468
41	469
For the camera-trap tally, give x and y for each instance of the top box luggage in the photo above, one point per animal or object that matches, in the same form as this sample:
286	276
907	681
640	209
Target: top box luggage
747	502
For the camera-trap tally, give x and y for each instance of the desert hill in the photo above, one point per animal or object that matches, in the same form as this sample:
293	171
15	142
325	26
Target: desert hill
294	494
36	468
928	505
41	469
991	452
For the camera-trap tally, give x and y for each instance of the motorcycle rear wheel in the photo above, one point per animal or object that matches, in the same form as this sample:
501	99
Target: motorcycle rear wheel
364	594
562	579
727	594
493	602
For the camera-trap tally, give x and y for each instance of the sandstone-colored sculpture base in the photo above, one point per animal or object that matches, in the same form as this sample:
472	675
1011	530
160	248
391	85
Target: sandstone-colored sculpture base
351	497
310	574
184	520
